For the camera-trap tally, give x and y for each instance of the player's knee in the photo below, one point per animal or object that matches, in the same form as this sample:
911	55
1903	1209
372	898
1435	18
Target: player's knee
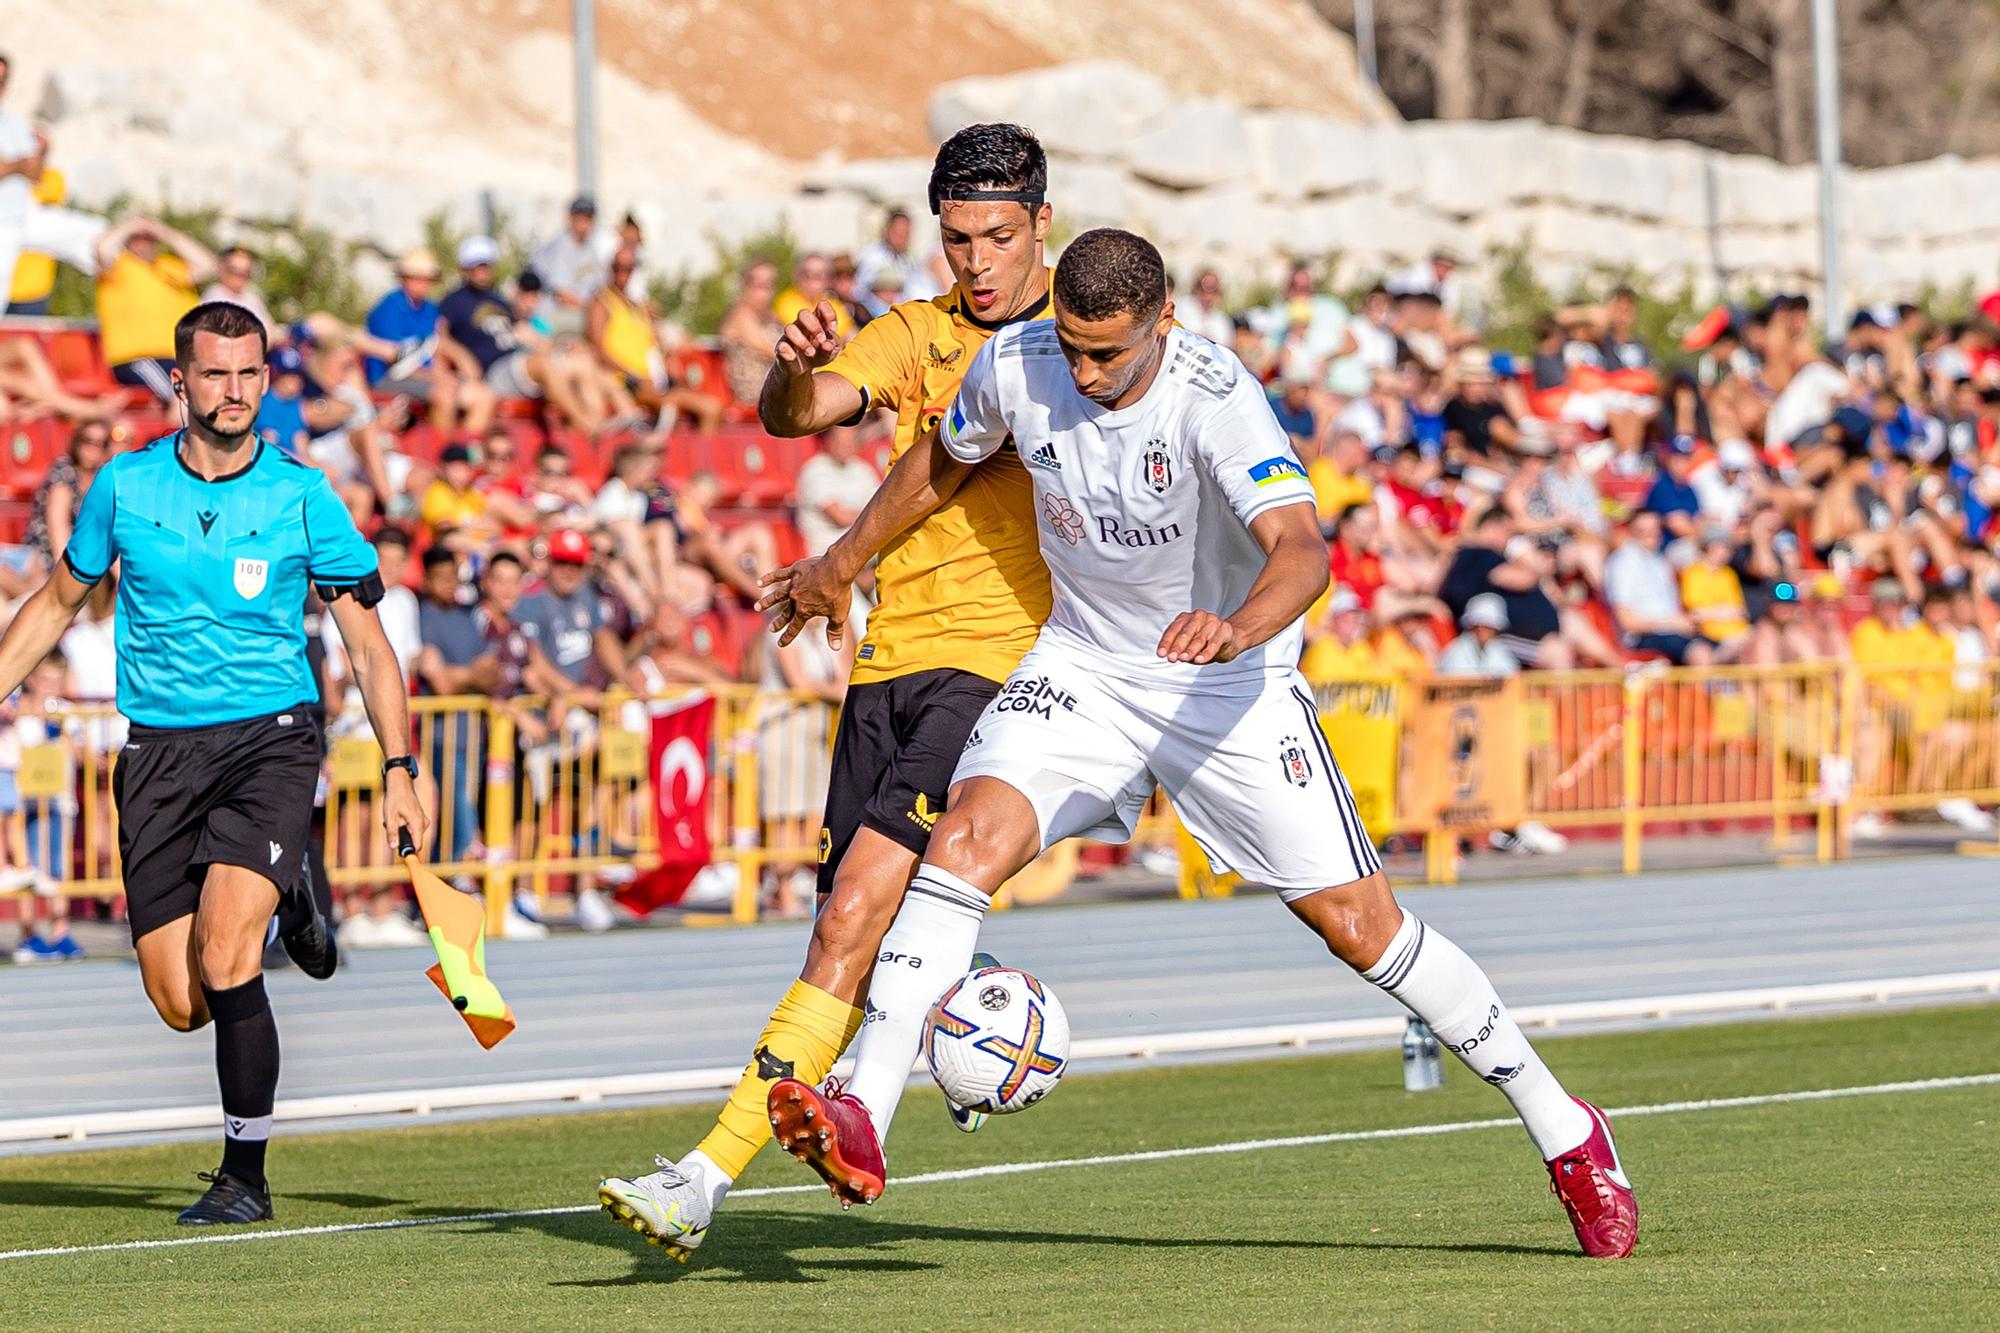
976	844
1356	921
179	1012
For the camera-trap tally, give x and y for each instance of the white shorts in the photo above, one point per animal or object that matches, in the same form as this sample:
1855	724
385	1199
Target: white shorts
1247	767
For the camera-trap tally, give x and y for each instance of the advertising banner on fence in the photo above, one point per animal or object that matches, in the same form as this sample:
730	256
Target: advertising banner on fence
679	760
1467	762
1363	721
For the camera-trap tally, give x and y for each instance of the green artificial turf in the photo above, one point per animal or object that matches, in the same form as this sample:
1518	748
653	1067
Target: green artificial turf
1865	1212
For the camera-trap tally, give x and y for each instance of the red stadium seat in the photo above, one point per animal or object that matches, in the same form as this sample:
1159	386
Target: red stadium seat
30	448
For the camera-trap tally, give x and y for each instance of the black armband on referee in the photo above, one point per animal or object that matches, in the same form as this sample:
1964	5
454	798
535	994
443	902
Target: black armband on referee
367	590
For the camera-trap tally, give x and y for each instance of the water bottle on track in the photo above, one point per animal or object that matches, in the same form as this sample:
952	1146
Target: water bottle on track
1422	1067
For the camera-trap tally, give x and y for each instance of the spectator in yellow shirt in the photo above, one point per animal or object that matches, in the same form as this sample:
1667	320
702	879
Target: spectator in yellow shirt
1906	711
142	291
1343	653
1713	595
452	503
812	282
34	271
1339	476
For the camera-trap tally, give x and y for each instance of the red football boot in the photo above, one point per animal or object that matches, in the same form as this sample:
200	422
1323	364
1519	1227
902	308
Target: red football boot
830	1132
1595	1193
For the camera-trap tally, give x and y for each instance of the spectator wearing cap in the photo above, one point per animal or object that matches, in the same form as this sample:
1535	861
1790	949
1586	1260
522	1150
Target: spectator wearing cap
573	264
812	282
623	333
1475	420
1672	497
1441	278
281	417
570	621
1343	651
478	318
889	259
453	503
448	381
845	288
1645	597
147	276
1292	404
1477	651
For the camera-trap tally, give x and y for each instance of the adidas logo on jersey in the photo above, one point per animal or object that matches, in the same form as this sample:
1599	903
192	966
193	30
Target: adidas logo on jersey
1046	457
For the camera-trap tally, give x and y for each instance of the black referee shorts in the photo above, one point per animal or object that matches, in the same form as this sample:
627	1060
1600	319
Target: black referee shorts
893	757
236	794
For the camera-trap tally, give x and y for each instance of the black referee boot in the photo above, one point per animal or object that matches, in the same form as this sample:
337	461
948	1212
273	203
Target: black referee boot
228	1202
304	930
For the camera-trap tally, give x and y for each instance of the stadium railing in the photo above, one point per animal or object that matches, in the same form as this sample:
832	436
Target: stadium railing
524	803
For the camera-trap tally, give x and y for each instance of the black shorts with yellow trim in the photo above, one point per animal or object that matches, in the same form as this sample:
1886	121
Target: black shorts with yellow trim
893	757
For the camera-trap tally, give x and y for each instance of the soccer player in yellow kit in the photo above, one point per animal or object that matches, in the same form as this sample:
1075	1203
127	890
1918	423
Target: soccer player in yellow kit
962	595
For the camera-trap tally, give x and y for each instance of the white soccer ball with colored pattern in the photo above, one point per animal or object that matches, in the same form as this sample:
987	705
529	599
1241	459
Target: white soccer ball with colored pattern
997	1041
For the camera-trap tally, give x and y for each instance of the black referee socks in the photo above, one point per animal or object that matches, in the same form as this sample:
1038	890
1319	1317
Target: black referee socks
246	1066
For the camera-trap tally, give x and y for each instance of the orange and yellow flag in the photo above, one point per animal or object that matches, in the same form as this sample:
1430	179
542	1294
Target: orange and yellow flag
457	925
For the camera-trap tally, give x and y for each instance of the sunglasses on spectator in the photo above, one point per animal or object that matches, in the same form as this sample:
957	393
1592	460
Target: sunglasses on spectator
621	268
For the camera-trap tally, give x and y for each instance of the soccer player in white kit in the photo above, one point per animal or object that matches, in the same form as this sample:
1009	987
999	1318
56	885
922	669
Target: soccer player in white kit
1184	550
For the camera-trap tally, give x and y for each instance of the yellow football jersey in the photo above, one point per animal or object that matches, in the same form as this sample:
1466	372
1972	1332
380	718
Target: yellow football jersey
965	588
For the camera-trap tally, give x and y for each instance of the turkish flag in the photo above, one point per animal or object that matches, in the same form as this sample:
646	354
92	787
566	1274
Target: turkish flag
680	747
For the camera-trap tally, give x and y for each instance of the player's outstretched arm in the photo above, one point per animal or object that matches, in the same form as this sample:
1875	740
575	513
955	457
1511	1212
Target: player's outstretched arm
1295	573
38	626
387	700
797	399
924	478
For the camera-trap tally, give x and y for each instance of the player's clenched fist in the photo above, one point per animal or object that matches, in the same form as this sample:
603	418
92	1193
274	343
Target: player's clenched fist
811	340
1199	637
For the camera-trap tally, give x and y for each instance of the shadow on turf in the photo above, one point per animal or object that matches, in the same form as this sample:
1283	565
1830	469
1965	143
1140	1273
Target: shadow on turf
67	1194
775	1247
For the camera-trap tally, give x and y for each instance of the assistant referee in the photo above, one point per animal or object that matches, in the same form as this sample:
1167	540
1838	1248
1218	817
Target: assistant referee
218	536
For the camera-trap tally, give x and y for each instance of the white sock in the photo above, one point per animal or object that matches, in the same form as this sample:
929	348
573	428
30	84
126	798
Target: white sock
1437	982
929	947
713	1176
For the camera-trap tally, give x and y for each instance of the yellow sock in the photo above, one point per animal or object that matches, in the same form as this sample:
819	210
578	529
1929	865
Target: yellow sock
808	1031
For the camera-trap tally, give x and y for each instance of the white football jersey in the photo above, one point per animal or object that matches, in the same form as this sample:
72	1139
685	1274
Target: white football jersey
1143	512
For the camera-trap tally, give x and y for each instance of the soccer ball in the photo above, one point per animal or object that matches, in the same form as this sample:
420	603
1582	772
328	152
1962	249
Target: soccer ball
997	1041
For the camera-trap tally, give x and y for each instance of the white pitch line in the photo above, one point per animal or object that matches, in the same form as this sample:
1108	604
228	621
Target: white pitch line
1057	1164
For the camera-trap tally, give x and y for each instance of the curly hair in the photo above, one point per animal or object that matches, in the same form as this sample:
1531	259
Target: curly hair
1107	272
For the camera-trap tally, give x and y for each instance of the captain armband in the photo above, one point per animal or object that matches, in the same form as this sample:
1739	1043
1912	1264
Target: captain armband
367	590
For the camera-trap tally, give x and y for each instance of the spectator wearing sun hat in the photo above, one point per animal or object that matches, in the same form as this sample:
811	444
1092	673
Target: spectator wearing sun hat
1477	651
446	379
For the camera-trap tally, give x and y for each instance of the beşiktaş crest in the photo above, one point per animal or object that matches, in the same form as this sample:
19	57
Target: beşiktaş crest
1159	466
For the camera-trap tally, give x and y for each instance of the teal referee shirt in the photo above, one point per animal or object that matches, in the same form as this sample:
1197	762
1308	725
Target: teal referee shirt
212	580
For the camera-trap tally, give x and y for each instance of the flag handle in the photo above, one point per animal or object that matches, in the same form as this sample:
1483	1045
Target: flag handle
405	844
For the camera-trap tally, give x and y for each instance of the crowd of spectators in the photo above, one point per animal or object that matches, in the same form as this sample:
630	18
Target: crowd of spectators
1595	500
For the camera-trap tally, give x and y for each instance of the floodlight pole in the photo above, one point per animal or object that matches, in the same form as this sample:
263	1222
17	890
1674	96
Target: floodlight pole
583	16
1826	93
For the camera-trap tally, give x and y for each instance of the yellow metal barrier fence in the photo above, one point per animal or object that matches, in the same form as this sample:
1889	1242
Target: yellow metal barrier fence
523	801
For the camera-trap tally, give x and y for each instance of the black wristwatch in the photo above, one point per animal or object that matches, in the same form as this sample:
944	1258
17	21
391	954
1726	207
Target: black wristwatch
407	763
